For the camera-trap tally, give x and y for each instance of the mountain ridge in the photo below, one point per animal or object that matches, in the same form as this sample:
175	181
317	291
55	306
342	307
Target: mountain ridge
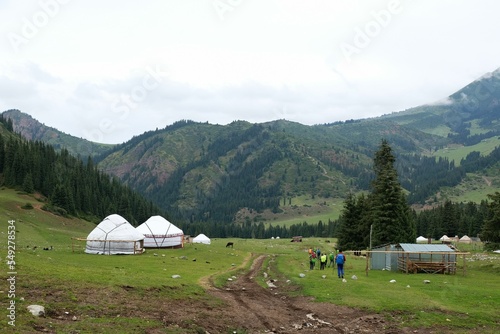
197	169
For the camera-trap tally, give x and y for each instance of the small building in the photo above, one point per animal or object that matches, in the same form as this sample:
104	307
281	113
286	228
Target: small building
384	258
413	258
434	258
297	238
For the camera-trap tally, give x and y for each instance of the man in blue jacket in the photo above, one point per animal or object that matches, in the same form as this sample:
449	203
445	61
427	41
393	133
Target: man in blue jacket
340	260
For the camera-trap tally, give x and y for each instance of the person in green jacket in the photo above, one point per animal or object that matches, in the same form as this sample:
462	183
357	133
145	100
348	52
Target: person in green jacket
312	261
332	260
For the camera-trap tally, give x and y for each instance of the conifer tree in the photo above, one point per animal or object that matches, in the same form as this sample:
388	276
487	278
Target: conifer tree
354	223
491	228
28	186
390	214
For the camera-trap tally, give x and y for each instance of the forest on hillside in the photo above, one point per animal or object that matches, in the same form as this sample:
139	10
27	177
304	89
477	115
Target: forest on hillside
70	186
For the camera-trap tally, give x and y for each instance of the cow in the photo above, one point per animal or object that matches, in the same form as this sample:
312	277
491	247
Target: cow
229	244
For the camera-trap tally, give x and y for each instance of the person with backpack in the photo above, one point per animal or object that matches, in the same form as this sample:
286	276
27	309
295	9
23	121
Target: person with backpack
312	261
340	260
332	260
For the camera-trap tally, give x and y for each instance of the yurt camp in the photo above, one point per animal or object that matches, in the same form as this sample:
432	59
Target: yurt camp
114	235
160	233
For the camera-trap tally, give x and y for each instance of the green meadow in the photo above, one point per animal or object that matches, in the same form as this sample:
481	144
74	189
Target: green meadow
101	291
458	153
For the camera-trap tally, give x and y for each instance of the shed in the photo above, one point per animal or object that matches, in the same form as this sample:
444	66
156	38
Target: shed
428	258
384	258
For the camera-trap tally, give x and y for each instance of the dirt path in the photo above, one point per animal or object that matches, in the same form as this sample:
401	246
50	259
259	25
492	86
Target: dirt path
255	309
487	180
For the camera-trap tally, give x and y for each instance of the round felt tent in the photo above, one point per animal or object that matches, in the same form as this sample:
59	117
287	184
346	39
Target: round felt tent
422	239
445	238
465	239
114	235
201	239
160	233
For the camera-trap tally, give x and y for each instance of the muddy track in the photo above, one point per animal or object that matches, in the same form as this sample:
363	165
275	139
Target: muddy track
256	309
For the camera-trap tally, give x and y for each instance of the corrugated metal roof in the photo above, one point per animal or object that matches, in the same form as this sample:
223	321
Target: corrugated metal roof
425	248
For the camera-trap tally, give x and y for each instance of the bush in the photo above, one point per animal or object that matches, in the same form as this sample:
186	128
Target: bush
55	210
27	206
491	246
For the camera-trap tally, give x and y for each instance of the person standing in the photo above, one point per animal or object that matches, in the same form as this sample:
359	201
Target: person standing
312	261
332	260
323	260
340	260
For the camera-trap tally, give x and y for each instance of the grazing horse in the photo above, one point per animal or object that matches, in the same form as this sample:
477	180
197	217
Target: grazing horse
229	244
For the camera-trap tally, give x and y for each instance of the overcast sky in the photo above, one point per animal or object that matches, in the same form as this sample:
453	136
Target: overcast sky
109	70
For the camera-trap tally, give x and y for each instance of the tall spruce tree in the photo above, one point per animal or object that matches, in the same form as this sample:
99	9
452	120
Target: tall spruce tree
354	223
491	228
390	214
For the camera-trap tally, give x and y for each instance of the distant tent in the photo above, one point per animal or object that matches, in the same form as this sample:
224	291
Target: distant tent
465	239
201	239
421	239
445	238
114	235
159	233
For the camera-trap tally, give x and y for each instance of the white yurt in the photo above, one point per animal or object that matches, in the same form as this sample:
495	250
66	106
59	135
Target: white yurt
445	238
465	239
160	233
114	235
201	239
421	240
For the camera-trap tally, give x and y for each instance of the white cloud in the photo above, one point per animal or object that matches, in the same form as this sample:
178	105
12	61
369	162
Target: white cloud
88	69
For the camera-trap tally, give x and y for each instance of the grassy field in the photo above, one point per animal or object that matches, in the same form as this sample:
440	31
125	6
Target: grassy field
104	288
458	153
307	209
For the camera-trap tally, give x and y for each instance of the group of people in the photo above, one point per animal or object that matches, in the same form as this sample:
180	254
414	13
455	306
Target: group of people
316	255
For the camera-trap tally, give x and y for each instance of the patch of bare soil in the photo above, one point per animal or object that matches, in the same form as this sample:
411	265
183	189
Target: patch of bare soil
255	309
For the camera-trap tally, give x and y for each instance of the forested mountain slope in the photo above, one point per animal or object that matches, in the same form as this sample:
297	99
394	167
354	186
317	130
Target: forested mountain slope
64	184
31	129
205	172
